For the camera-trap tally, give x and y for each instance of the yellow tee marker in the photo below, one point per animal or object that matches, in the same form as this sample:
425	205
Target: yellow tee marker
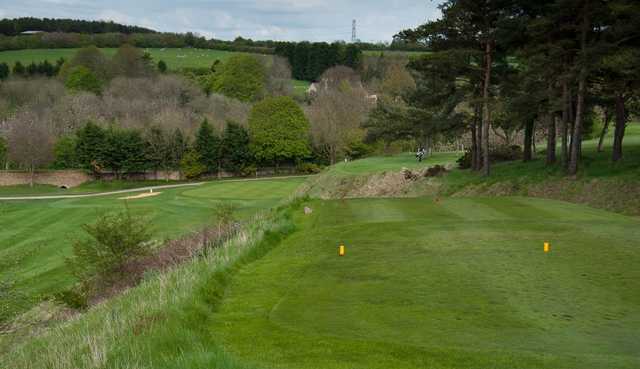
547	247
342	250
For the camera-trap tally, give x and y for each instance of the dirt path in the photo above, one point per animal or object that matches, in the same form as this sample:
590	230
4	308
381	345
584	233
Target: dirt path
141	189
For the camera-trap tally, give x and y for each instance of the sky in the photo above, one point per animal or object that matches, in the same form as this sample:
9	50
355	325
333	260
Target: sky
290	20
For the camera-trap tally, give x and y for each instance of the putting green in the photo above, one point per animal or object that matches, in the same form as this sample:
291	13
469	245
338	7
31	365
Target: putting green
459	283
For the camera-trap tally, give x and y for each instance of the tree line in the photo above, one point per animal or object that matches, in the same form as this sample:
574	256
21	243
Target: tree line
12	27
517	65
309	60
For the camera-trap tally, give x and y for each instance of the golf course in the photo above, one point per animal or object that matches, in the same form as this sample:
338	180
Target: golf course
36	236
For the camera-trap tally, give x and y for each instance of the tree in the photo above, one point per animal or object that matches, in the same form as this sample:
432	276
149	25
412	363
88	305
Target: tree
65	153
241	77
82	79
113	241
90	58
91	141
397	81
158	154
130	62
191	165
124	151
4	71
236	153
29	142
3	154
162	67
336	117
19	70
207	145
278	130
178	146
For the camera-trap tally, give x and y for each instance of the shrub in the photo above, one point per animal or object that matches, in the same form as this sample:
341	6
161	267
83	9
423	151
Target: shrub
82	79
248	170
12	301
73	298
309	168
191	165
114	239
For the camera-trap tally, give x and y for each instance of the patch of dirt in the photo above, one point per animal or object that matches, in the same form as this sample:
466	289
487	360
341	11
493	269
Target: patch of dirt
141	196
405	183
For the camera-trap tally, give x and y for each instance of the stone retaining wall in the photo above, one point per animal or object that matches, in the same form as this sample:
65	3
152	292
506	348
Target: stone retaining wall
73	178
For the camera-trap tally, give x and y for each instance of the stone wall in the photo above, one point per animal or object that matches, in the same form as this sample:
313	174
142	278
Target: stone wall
67	178
73	178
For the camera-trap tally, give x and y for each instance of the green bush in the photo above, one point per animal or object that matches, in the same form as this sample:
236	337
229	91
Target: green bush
248	170
82	79
191	165
309	168
114	239
73	298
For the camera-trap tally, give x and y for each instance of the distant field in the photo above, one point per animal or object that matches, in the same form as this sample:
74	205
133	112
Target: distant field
175	58
394	53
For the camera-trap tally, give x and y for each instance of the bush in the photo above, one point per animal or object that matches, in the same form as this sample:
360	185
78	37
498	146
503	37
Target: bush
248	171
309	168
82	79
114	239
496	154
73	298
191	165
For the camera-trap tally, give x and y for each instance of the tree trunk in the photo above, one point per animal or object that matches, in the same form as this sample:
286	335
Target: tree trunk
576	136
486	116
621	122
528	140
32	169
605	129
551	130
565	124
474	144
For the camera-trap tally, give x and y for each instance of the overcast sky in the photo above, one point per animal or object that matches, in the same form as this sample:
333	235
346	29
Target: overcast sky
313	20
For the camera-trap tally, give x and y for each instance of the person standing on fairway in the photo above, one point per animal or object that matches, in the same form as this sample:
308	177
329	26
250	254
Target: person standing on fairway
420	154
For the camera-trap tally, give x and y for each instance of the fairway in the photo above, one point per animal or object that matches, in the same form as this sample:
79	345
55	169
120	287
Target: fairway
36	236
458	283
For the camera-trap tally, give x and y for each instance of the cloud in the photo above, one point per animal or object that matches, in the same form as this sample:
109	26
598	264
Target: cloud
313	20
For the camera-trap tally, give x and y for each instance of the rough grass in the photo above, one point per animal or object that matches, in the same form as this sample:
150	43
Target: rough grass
36	236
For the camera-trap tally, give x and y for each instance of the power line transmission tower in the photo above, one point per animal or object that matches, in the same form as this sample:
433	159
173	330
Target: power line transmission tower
353	32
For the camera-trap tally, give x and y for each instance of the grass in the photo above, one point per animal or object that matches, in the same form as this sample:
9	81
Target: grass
594	165
36	236
85	188
176	59
459	283
392	163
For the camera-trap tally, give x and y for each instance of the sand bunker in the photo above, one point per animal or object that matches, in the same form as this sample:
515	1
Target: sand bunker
141	196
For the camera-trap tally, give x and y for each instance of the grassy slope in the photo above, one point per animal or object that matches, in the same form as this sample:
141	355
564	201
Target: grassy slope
458	284
595	165
36	236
